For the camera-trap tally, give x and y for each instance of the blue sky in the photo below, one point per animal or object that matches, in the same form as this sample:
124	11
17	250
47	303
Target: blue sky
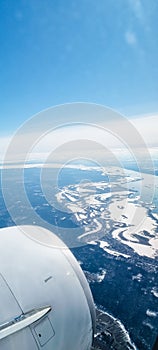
58	51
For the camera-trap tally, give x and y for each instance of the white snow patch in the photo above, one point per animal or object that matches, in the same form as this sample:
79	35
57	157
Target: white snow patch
151	313
137	277
154	291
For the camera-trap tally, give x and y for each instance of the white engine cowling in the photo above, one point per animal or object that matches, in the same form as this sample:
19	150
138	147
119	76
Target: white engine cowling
45	300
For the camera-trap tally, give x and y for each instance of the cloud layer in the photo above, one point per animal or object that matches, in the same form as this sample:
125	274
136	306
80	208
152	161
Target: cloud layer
95	142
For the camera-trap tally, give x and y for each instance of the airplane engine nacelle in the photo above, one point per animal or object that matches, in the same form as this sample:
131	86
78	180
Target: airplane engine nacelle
45	300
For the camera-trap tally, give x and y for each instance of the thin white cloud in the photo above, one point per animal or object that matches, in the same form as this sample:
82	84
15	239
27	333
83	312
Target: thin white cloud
147	126
130	38
65	143
4	143
137	8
